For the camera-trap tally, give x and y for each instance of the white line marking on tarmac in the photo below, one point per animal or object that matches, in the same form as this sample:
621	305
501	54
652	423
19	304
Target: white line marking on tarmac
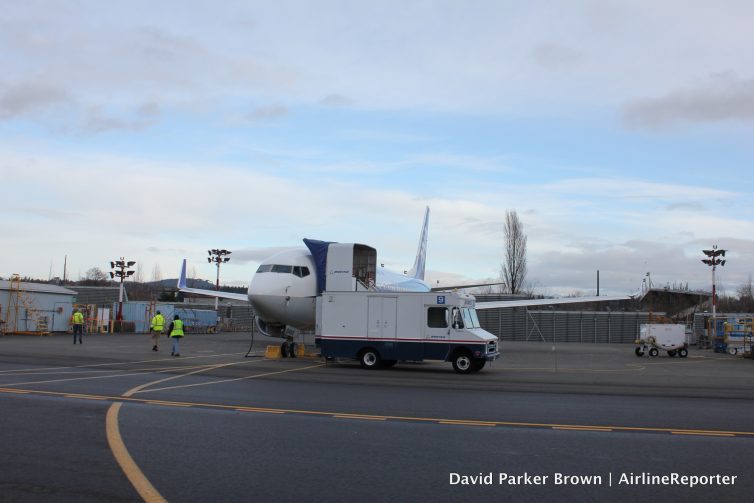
231	380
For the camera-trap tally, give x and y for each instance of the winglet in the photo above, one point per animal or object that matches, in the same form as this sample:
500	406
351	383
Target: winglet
182	278
417	271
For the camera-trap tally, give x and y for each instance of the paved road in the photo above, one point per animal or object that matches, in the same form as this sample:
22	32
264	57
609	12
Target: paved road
213	425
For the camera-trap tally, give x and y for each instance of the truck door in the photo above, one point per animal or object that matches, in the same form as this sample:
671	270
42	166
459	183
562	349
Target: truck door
381	330
437	332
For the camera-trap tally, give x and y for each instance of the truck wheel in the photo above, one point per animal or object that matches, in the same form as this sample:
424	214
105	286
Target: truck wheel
284	350
654	352
639	352
477	365
671	353
388	364
370	359
683	352
462	363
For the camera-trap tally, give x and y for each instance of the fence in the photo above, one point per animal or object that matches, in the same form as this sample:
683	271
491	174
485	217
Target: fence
521	324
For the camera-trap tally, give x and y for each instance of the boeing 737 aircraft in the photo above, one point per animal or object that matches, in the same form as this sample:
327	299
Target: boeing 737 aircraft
284	289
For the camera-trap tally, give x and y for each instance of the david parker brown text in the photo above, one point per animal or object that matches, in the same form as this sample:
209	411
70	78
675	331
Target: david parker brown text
561	479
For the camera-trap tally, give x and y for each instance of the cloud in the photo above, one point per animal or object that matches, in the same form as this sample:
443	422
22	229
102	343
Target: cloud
267	113
694	206
245	255
722	98
336	100
98	121
555	56
23	98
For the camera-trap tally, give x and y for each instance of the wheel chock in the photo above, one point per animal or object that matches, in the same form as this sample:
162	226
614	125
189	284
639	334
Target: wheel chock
272	352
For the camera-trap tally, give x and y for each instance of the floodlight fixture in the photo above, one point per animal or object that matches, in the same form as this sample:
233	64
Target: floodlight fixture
713	262
217	256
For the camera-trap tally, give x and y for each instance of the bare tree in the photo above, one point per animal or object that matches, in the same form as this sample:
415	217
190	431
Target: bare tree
139	276
746	297
94	277
156	274
96	274
513	269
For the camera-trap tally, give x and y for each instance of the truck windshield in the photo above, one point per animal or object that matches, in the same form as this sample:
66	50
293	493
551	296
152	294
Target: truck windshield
470	318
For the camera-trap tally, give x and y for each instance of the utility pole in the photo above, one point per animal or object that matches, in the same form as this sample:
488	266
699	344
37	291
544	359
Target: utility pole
218	257
119	269
713	261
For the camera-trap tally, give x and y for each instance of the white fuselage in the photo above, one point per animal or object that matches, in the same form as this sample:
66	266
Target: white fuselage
283	291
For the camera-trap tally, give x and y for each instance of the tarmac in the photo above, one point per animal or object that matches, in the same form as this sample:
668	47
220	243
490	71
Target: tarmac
110	419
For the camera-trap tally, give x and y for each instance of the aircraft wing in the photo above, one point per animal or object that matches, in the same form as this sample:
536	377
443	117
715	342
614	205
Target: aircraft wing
209	293
549	302
458	287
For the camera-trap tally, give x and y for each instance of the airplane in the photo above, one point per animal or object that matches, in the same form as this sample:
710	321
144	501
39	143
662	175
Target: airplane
284	289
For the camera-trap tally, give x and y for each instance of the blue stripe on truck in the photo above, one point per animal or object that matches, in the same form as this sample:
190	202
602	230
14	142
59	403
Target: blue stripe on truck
396	349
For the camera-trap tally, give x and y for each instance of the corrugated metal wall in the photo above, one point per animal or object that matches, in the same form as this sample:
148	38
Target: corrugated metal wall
520	324
56	308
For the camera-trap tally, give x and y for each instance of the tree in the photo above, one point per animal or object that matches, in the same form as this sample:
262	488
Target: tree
139	276
96	274
746	297
156	274
94	277
513	268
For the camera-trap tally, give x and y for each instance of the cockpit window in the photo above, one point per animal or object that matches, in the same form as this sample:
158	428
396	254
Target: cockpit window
300	271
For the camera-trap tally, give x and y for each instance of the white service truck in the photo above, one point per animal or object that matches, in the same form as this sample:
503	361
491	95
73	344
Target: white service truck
656	337
381	328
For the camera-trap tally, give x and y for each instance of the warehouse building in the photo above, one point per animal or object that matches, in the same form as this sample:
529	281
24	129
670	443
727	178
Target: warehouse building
34	307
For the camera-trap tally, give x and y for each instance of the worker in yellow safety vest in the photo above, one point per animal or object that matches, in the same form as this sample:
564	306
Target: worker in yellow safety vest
78	325
176	333
157	325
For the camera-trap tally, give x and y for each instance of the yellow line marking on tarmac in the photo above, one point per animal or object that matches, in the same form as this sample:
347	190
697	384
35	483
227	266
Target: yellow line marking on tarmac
467	423
85	397
171	404
580	428
137	478
231	380
359	416
252	409
124	398
708	434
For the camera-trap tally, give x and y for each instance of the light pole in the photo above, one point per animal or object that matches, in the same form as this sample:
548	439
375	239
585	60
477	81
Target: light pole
119	269
218	257
713	261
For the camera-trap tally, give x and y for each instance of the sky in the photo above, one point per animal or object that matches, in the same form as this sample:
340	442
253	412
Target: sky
621	132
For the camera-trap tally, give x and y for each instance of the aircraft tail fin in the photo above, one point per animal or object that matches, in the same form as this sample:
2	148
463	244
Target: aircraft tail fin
417	271
182	278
